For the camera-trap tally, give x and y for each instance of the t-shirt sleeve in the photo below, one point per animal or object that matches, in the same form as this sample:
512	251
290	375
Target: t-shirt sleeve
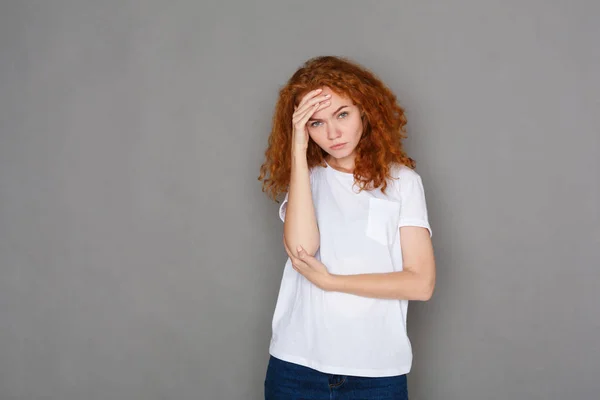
413	211
283	208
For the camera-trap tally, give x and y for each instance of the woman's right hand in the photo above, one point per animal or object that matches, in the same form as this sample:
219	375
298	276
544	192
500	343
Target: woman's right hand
310	104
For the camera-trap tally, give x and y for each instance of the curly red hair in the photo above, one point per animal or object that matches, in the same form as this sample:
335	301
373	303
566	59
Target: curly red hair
383	124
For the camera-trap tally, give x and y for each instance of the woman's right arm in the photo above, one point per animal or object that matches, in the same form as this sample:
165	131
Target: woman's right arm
300	225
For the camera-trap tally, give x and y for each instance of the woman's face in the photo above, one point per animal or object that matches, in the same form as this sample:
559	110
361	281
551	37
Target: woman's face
337	128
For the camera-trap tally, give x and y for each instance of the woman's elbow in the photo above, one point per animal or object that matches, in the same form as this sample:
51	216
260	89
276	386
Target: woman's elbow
292	246
311	249
427	290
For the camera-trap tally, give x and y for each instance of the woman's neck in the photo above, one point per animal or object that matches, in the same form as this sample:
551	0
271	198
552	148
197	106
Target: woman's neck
345	164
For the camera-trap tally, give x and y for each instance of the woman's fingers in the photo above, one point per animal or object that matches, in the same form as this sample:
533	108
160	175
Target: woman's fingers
308	105
301	118
309	99
309	96
296	262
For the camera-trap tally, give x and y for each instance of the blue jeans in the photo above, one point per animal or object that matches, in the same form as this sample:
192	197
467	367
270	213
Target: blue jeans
288	381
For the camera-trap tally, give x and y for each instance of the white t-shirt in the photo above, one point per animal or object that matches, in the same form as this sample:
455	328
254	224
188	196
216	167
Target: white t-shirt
340	333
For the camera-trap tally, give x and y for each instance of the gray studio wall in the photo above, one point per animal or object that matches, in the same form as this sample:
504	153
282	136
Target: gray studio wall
139	258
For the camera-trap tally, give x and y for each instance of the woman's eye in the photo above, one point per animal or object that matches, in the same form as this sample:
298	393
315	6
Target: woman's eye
314	124
345	114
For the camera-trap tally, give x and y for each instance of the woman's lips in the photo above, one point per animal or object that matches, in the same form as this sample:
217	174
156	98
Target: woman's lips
337	146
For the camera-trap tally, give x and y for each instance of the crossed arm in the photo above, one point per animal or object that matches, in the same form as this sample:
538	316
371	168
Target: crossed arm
415	282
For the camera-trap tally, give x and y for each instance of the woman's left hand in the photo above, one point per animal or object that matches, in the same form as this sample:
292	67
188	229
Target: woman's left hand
311	268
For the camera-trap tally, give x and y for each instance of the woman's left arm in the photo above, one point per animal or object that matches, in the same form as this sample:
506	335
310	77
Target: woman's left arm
415	282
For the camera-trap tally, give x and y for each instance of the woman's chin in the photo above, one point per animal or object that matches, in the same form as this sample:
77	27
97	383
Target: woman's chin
341	154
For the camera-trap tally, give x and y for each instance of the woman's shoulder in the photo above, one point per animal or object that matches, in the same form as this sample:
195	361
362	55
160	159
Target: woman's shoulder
403	172
404	179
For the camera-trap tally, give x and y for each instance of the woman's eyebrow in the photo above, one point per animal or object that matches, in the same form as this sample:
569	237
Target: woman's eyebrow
332	114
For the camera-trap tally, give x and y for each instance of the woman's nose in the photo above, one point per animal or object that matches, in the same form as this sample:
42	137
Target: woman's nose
333	132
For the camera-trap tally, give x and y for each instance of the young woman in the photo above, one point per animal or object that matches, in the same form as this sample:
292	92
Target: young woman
356	232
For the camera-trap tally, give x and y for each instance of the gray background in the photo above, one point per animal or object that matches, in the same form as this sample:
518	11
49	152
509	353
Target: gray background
140	259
